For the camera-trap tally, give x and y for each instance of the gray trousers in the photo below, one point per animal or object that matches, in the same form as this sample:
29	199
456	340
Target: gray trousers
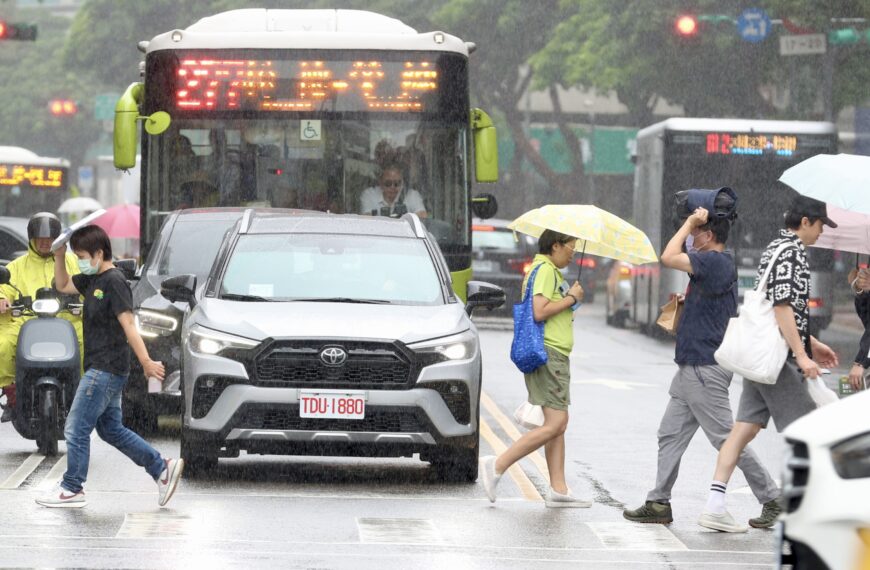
699	398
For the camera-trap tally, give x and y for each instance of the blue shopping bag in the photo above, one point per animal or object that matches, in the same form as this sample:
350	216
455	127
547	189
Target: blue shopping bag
527	348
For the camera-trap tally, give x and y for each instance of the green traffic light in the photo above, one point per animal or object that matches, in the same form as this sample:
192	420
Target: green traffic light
845	36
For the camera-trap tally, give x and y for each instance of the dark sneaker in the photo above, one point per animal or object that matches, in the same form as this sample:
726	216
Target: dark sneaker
769	513
650	512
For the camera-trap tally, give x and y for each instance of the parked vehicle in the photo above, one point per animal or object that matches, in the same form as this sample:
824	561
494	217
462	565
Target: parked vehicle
13	238
47	366
330	334
187	243
826	488
619	293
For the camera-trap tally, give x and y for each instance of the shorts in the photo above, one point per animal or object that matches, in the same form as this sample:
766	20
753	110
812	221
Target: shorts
550	385
785	401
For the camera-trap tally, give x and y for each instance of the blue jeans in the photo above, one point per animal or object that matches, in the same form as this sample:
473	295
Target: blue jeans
97	404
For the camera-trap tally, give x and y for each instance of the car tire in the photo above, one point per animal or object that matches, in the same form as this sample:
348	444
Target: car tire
456	464
198	458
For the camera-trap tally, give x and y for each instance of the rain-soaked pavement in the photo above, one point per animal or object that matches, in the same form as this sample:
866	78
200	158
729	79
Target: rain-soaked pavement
298	512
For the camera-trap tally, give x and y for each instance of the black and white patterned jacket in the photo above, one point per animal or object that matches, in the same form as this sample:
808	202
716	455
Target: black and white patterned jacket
789	282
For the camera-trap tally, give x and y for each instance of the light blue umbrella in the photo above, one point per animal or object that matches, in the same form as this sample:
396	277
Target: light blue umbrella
842	180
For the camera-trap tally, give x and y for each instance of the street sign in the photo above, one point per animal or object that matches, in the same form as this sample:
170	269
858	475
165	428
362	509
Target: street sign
803	44
86	179
104	106
753	25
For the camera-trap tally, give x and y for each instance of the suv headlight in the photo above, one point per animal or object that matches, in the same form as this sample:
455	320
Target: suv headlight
151	324
455	347
852	457
207	341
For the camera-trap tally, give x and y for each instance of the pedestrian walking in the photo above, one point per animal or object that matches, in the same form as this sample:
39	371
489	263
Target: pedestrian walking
860	282
788	288
109	333
549	385
699	389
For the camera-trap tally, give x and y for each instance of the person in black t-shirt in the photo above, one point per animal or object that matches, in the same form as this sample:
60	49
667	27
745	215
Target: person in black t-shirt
109	333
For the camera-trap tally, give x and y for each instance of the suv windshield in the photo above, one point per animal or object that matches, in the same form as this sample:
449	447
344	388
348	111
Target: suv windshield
339	268
193	245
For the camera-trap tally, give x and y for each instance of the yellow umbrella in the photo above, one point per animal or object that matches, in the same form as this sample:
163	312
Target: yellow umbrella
598	232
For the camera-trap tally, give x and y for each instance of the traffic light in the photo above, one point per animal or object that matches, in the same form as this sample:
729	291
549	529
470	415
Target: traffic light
686	26
21	32
63	107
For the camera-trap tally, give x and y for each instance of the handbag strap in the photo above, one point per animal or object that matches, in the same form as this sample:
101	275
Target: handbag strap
530	281
762	284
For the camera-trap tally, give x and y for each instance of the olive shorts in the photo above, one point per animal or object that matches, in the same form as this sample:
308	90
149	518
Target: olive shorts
550	385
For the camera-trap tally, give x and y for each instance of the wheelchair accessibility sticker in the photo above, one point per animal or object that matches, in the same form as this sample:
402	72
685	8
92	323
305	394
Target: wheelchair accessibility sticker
309	130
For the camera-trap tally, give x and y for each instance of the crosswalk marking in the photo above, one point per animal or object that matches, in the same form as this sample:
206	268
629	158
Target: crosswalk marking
633	536
23	472
160	524
398	530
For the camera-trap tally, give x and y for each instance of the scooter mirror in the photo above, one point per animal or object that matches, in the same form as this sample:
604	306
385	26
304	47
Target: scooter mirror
5	276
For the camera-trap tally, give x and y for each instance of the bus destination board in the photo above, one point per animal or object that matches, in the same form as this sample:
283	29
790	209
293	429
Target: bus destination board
32	176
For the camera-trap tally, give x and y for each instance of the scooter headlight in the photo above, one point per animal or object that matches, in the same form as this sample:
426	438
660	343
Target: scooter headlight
151	324
46	307
852	457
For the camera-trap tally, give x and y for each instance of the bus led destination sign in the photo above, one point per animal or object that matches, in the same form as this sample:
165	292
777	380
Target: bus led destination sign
751	144
32	176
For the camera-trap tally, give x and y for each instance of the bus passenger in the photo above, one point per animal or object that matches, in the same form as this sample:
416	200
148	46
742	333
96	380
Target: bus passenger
390	197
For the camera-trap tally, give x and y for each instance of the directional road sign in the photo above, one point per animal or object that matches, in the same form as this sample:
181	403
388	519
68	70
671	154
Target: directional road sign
753	25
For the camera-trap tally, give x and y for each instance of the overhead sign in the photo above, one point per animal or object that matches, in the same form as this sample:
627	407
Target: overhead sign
86	178
803	44
104	106
753	25
28	175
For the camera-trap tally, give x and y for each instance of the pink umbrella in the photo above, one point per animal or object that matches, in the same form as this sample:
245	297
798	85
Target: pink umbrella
120	222
851	234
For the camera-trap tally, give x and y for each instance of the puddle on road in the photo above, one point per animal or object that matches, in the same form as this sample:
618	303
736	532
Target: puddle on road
417	531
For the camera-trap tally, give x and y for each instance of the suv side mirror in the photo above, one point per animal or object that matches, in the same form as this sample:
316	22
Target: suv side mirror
179	289
481	294
5	276
128	268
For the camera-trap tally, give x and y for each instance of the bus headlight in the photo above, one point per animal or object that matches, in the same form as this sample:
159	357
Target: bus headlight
209	342
152	324
455	347
852	457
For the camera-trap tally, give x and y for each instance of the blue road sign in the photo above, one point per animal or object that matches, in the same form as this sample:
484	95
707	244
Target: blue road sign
753	25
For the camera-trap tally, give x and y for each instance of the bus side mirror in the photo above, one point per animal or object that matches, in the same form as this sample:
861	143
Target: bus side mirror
126	126
485	147
484	206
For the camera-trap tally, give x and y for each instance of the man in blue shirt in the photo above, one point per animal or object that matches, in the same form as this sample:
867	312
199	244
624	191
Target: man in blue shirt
699	390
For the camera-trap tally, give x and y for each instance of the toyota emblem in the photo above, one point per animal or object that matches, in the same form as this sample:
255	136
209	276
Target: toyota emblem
333	356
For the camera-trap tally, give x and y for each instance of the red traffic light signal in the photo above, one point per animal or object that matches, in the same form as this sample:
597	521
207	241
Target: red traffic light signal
2	30
686	26
25	32
63	107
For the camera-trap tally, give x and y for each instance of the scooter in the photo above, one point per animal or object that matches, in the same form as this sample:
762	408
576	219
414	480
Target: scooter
47	366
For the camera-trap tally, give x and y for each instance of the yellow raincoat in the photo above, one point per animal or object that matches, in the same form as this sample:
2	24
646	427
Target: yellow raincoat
29	272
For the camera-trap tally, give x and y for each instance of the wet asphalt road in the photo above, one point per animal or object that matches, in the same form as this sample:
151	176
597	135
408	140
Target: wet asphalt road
297	512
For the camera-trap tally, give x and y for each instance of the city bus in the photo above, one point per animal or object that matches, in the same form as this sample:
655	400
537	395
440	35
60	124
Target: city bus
303	108
30	183
746	155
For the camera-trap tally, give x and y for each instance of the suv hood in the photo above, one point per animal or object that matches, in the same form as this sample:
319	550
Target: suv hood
406	323
832	423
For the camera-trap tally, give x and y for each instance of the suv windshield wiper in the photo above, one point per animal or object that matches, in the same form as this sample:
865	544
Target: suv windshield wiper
241	297
345	300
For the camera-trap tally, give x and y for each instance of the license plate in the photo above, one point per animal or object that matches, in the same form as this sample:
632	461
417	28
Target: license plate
345	405
482	265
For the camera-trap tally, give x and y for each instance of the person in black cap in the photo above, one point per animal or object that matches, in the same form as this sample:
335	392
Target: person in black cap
788	287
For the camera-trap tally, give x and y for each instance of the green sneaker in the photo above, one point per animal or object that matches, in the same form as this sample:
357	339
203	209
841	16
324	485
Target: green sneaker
769	513
650	512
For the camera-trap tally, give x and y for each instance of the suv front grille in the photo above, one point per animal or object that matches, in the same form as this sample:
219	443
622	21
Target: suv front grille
797	473
369	365
287	418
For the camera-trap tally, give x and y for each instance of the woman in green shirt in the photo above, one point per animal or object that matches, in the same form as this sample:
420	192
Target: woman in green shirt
549	385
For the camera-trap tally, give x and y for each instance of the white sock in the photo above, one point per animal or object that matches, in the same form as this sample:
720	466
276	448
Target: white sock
716	498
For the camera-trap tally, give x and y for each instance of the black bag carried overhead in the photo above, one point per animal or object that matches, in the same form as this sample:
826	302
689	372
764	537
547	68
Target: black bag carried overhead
720	202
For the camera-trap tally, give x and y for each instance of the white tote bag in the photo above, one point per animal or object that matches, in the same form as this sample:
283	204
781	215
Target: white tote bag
753	347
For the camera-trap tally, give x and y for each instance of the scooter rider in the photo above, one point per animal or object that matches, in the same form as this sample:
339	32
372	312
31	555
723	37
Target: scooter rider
32	271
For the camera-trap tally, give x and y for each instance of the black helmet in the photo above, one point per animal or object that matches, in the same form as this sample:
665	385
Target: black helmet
43	225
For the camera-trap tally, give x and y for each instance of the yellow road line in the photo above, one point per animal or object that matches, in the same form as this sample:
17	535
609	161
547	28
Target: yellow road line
508	426
517	474
54	476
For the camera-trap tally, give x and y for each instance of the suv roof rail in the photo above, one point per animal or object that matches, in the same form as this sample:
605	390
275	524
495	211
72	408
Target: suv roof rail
415	223
246	221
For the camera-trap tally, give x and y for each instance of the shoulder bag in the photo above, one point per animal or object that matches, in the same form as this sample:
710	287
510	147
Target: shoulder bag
527	348
752	346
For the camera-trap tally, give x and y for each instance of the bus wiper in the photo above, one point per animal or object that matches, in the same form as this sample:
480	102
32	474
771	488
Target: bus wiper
241	297
345	300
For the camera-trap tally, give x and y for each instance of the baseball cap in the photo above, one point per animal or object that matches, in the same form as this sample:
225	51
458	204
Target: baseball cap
805	206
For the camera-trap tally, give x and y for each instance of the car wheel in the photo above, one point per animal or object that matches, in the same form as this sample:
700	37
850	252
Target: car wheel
456	464
198	458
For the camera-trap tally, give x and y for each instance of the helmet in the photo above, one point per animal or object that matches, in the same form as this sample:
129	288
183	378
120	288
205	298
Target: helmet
43	225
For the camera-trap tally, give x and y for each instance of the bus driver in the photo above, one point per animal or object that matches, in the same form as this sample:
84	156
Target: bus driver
390	197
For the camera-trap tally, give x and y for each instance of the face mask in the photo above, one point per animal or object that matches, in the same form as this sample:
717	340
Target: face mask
690	244
86	268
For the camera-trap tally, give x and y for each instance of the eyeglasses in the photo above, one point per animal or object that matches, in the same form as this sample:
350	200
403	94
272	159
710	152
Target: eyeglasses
393	183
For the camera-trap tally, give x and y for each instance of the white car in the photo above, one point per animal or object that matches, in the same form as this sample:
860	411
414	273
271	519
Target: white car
826	488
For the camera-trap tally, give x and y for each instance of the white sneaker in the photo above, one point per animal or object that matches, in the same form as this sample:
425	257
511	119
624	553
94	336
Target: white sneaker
556	500
490	479
168	480
59	497
723	523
